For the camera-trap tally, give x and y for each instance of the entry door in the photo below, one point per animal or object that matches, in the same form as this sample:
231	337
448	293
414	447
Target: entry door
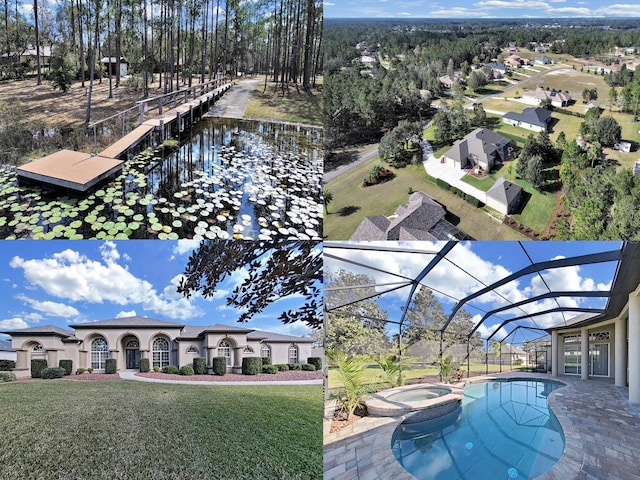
133	358
599	359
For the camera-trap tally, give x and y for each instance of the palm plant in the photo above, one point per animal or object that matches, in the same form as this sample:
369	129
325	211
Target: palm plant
446	367
392	371
351	372
327	198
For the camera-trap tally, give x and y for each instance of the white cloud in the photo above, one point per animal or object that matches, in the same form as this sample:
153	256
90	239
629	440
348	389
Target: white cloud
33	317
70	276
51	309
522	4
328	4
297	329
123	314
184	247
13	324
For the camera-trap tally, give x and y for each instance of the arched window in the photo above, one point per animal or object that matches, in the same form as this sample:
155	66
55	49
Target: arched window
224	350
265	351
160	352
133	344
247	351
99	353
38	348
293	354
193	349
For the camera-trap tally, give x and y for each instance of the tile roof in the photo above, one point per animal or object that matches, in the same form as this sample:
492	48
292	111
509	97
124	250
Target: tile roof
128	322
42	330
276	337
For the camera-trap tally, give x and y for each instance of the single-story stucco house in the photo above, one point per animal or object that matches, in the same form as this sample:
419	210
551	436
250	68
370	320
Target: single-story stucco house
504	196
129	339
539	95
533	118
481	148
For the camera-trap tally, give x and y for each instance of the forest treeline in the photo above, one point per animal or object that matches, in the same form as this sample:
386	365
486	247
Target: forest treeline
179	41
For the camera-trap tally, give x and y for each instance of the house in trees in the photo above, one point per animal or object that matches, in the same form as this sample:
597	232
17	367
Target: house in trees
421	219
29	55
534	118
543	60
448	81
481	148
498	69
129	339
504	196
112	65
540	95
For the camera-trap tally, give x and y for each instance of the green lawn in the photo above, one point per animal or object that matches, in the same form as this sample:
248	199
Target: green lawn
295	106
352	203
132	430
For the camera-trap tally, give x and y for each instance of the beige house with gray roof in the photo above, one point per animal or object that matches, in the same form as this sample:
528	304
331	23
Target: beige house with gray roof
129	339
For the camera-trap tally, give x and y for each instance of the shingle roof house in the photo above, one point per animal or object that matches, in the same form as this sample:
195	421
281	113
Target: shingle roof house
421	219
539	95
163	343
532	118
481	148
504	196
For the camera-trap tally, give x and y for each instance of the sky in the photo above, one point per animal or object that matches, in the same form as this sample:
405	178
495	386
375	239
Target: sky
480	9
485	263
67	282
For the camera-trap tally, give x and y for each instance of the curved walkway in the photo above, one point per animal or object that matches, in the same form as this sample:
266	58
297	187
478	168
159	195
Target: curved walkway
133	376
453	176
233	103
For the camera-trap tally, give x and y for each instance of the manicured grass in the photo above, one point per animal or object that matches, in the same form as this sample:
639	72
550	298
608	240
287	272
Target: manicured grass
483	184
134	430
352	203
505	106
296	107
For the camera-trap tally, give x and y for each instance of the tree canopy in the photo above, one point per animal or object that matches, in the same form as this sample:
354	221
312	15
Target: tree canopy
275	270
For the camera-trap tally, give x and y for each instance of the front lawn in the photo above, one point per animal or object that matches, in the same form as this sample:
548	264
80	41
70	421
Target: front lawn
134	430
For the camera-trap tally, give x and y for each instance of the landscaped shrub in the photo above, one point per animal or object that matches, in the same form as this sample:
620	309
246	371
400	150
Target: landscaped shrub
315	361
308	367
269	369
144	365
110	365
67	365
199	365
90	370
170	369
7	365
266	361
251	365
80	371
219	365
156	369
37	365
442	184
282	367
186	370
53	372
294	366
7	376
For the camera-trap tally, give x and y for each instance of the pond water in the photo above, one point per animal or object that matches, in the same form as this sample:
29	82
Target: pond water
228	179
504	430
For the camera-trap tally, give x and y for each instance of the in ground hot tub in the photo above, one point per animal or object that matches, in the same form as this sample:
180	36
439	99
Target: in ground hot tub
416	402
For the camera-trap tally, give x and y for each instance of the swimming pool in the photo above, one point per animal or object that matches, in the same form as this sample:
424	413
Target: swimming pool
504	430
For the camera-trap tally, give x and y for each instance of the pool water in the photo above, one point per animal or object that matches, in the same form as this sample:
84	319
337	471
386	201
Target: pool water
504	430
419	394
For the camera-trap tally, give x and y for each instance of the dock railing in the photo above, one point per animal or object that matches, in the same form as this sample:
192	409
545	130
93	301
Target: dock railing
110	129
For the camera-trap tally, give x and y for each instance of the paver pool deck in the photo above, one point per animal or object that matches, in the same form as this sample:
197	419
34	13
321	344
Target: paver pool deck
601	428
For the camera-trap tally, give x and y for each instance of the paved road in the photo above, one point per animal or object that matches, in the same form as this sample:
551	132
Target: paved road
330	175
234	102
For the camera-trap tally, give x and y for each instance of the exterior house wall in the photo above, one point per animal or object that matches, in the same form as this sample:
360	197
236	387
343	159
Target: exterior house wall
497	205
607	326
521	124
8	356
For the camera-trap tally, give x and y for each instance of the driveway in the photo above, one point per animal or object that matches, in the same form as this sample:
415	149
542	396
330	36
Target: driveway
330	175
234	102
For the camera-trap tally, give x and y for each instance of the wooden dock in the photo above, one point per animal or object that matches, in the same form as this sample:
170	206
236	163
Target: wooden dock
75	171
79	171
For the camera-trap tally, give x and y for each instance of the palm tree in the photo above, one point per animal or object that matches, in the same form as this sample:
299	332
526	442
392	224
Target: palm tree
327	199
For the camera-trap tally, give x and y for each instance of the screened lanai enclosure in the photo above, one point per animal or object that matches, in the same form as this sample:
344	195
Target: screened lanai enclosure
482	306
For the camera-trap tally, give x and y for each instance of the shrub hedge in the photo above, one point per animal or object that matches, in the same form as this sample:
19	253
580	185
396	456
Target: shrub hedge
90	370
315	361
266	361
251	365
144	365
110	366
186	370
294	366
170	369
80	371
7	365
282	367
156	369
199	365
308	367
219	365
269	369
53	372
7	376
67	365
37	365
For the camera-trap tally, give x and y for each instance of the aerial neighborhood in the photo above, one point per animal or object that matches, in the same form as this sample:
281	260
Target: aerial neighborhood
529	134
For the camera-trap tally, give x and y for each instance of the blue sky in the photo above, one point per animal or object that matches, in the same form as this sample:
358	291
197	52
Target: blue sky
480	9
65	282
485	263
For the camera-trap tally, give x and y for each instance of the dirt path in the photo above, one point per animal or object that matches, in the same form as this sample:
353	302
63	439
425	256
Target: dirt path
234	102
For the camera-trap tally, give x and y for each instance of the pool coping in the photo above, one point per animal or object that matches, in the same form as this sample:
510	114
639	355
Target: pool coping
381	405
363	450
